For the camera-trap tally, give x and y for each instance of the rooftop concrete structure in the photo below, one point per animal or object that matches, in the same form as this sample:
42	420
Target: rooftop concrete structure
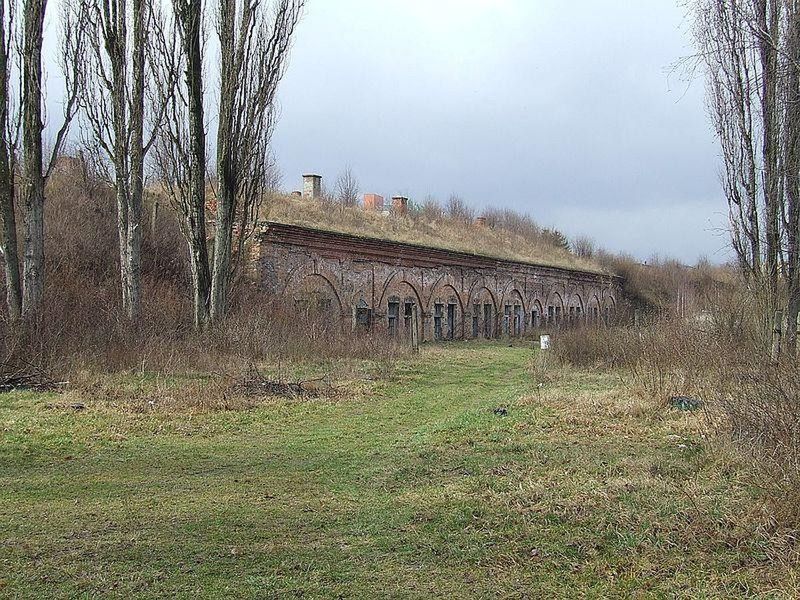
373	202
312	186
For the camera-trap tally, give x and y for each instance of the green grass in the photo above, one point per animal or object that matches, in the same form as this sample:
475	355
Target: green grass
412	488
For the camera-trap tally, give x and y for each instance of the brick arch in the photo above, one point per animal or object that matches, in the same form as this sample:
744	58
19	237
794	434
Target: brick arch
609	309
398	278
477	285
607	295
514	292
510	324
594	309
398	289
536	305
439	288
305	275
556	298
576	312
445	289
480	291
445	280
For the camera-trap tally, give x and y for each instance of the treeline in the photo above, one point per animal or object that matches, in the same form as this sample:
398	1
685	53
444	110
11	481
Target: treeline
750	52
138	86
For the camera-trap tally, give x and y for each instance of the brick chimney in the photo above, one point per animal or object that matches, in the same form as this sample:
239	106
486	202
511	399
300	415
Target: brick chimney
312	186
400	205
480	221
373	202
297	194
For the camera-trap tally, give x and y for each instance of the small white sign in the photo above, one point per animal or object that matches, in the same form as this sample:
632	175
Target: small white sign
544	342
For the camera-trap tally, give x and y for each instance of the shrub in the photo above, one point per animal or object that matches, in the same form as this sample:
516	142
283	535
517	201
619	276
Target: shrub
721	358
84	328
587	347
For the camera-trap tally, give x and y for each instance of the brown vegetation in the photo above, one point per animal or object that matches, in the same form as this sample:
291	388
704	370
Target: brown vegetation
507	234
717	361
85	327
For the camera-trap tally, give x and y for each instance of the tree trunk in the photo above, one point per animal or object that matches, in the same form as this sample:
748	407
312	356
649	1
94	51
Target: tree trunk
793	175
9	240
223	243
33	176
191	16
226	169
768	40
115	41
9	235
133	252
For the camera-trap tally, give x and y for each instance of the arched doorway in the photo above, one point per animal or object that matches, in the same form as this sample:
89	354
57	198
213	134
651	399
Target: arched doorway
483	314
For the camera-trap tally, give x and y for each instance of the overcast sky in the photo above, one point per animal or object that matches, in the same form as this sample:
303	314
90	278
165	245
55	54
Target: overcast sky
570	111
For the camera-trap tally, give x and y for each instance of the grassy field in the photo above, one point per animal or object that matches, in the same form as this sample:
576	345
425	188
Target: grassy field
408	487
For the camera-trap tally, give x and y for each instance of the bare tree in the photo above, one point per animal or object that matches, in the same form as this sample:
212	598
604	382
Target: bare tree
458	210
8	241
749	51
347	188
791	222
181	145
737	42
431	209
33	173
254	46
119	69
583	246
34	170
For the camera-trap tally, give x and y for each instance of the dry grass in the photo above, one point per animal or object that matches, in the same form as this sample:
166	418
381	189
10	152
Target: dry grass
749	403
414	487
83	328
421	228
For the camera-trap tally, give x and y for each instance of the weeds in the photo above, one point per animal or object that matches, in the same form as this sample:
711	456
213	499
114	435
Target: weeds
718	360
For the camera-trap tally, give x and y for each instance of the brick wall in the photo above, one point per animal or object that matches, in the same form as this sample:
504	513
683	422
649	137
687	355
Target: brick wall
365	282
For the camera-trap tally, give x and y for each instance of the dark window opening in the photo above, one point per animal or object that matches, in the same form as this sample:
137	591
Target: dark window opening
551	315
438	313
451	321
363	316
558	316
517	320
507	319
535	319
408	315
487	321
394	316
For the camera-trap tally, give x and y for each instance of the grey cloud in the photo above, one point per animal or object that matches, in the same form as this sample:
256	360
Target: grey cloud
553	108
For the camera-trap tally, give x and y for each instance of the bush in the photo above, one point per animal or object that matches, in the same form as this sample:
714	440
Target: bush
587	347
721	358
84	329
